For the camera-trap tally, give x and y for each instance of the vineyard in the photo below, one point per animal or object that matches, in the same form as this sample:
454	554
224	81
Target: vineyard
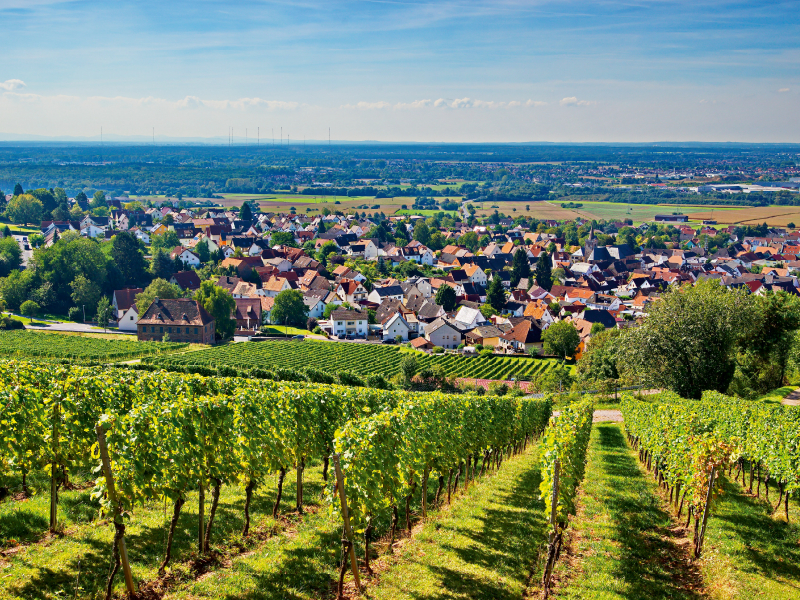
214	486
363	359
24	344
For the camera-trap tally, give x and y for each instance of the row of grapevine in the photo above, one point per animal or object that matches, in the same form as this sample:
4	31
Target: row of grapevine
765	437
26	344
563	463
683	450
362	359
161	435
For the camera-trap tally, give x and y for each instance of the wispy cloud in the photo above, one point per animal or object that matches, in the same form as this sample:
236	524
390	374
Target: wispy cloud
573	101
444	103
783	90
9	85
187	103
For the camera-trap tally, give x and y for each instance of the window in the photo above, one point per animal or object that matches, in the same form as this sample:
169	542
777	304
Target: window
177	330
195	330
152	330
169	329
131	317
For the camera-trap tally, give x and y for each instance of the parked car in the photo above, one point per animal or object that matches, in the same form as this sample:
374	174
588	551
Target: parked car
349	336
388	341
299	338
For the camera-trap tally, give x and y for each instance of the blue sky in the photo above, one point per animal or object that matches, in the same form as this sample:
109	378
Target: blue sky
397	70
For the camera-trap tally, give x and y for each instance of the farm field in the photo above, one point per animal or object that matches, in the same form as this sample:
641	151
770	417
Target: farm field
28	344
751	215
363	359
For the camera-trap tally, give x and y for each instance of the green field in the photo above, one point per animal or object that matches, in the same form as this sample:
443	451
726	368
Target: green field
426	213
363	359
27	344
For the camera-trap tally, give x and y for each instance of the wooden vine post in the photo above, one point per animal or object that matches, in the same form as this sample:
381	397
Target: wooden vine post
53	467
201	517
112	495
348	532
554	536
699	547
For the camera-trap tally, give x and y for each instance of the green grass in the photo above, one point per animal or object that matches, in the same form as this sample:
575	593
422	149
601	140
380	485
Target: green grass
775	396
748	553
49	569
280	329
621	539
483	547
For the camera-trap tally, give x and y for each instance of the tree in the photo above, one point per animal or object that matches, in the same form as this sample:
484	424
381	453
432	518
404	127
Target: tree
162	266
599	359
686	343
283	238
446	298
99	200
289	309
104	312
18	191
219	303
325	250
496	295
245	213
85	292
561	339
14	288
47	198
202	251
469	240
159	288
167	241
597	328
520	267
29	308
10	255
544	272
408	367
24	209
764	347
422	232
129	258
81	198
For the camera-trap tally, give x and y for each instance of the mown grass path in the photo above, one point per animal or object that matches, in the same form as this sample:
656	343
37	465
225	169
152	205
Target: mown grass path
483	547
623	543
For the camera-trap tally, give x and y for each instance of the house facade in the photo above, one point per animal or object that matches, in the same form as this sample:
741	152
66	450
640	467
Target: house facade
182	319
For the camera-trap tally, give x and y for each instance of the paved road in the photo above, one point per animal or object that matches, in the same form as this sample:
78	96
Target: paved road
601	416
26	254
792	399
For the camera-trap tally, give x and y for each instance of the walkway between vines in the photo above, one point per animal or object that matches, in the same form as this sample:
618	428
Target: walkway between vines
482	548
623	543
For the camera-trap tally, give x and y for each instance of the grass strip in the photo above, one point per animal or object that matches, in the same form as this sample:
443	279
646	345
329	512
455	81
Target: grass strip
76	565
748	552
482	547
623	543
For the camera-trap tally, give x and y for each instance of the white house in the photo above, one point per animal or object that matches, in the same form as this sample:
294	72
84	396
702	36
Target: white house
389	292
439	333
395	325
92	231
470	317
129	320
476	274
187	256
316	307
348	322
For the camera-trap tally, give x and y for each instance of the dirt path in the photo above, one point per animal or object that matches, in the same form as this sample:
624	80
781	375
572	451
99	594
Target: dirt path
793	399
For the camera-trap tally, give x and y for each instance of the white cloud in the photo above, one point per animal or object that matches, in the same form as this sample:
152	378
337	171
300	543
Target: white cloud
441	103
783	90
9	85
573	101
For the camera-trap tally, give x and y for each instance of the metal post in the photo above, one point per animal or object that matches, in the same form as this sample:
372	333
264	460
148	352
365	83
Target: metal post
112	495
554	497
53	487
348	532
201	518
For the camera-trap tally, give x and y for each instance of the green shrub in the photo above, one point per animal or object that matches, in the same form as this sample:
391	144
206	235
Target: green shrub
317	376
378	382
347	378
437	350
